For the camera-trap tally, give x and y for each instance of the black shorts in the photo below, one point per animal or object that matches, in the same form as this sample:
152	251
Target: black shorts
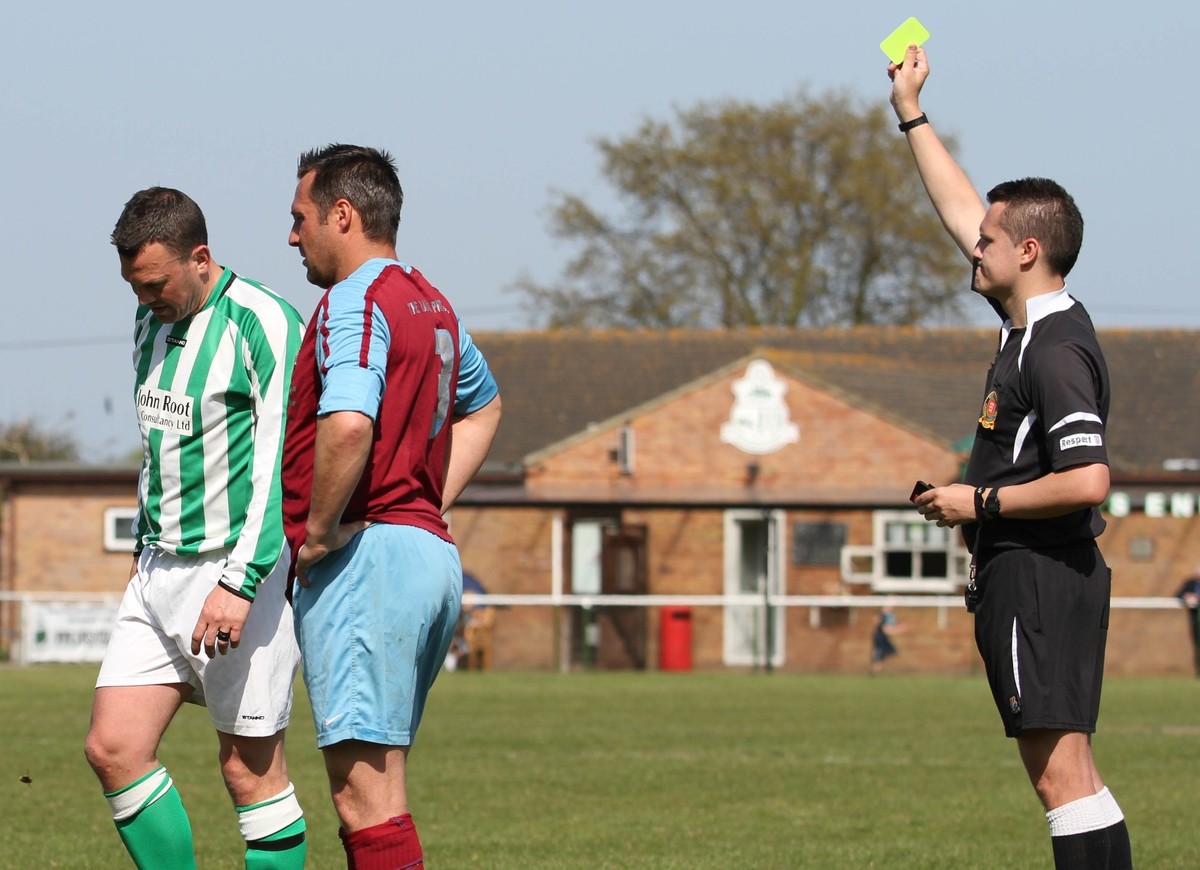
1041	627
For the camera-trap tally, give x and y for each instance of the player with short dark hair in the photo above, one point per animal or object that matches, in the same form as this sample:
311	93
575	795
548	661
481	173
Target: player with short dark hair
1039	208
1037	474
393	410
366	177
204	618
160	214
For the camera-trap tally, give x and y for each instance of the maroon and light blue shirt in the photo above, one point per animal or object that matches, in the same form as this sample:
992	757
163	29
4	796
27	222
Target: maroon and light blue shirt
384	343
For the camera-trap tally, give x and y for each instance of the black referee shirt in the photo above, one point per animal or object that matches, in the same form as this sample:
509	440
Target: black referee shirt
1044	409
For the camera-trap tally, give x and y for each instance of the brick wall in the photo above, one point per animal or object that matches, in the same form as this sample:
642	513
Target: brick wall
52	535
841	448
57	538
509	550
54	538
678	446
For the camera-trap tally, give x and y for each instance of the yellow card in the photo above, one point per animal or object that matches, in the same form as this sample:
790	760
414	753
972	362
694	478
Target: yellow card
911	32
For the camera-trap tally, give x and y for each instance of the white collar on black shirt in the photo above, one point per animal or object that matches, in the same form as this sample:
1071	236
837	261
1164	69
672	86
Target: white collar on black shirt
1035	309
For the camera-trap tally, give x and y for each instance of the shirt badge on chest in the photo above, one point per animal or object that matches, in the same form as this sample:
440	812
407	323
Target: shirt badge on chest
990	405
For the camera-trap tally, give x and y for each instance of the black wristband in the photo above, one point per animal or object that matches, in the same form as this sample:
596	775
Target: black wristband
915	122
980	517
238	592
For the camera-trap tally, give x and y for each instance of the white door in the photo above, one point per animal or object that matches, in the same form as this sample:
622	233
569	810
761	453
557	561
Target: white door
753	565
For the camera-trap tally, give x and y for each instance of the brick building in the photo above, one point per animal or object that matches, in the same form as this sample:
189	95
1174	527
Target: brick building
733	463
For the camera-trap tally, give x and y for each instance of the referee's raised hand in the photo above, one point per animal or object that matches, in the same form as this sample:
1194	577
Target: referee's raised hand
908	77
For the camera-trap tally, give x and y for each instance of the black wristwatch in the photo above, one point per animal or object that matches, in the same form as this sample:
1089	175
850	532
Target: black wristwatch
991	507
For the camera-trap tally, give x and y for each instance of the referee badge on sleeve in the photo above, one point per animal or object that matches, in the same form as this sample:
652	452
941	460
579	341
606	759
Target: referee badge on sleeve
990	405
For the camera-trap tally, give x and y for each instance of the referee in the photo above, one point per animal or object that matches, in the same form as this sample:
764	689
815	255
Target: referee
1037	474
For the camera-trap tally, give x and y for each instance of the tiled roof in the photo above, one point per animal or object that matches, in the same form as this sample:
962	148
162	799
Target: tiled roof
555	383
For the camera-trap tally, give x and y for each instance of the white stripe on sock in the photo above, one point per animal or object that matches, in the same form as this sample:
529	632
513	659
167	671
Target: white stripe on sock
134	798
1078	817
270	816
1112	810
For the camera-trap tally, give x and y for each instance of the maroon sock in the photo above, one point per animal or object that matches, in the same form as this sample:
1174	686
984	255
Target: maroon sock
393	845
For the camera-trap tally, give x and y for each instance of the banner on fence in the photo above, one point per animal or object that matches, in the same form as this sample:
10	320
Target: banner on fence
66	631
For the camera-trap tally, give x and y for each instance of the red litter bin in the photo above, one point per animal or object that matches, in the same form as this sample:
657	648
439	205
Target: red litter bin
675	639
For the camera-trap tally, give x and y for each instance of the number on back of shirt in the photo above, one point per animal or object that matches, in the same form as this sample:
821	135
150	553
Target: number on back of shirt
444	343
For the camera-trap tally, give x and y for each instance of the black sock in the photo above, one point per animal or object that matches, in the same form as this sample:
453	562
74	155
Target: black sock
1086	851
1104	849
1119	855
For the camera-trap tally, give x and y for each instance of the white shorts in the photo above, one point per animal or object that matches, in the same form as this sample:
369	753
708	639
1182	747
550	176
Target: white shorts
248	691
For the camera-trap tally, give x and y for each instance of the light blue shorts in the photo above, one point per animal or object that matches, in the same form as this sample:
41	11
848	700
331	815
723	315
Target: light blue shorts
374	626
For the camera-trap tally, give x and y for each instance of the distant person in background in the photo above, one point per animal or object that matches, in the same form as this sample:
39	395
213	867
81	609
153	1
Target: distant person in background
881	639
477	621
466	633
472	645
1189	594
204	618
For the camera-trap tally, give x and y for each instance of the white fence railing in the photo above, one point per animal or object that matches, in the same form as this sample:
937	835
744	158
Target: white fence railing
75	626
505	600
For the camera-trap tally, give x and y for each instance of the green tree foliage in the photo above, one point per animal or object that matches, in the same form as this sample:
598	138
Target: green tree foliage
25	441
805	212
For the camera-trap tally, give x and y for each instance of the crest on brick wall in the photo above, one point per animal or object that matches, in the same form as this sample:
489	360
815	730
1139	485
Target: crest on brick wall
759	421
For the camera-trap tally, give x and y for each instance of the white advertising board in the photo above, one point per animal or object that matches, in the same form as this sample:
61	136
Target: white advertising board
65	631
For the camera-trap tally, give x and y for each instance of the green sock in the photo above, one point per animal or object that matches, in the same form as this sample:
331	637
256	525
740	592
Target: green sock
281	849
153	824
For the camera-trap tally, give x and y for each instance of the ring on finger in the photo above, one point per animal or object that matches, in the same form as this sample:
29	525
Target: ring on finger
222	636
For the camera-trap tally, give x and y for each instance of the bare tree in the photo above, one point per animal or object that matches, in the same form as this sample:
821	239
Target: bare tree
25	441
805	212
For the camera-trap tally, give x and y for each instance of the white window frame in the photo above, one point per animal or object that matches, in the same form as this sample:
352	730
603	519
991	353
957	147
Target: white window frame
866	564
113	517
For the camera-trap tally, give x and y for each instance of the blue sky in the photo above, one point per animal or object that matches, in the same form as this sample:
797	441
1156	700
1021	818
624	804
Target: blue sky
489	107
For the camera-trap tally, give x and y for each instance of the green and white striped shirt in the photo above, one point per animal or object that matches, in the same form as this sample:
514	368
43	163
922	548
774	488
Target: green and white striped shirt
211	398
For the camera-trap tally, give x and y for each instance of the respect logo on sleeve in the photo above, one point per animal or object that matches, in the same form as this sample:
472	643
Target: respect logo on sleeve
1069	441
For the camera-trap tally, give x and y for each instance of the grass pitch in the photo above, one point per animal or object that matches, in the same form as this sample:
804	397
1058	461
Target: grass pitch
614	770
